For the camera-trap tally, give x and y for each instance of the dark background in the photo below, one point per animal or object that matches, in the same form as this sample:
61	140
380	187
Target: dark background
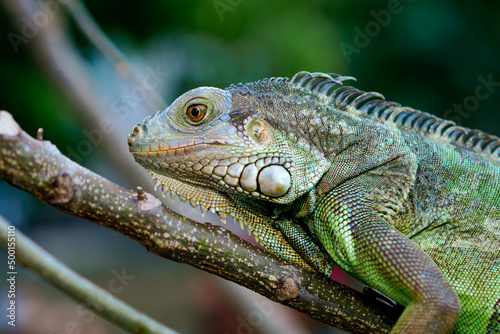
430	55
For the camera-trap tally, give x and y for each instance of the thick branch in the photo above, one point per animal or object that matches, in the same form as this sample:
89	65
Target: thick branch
40	169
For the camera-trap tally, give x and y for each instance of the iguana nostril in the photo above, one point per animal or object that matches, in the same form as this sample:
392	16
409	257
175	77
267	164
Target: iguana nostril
136	131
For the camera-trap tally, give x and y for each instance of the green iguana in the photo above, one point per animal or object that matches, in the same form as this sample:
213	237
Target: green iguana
322	173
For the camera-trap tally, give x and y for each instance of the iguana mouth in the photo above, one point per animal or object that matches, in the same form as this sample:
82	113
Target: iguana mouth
171	146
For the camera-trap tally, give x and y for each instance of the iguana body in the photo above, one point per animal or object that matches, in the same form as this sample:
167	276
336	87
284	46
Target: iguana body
322	173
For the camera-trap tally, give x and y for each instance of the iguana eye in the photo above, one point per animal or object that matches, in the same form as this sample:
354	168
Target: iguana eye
196	112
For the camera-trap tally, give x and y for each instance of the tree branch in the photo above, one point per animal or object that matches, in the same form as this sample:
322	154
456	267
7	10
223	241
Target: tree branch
34	257
39	168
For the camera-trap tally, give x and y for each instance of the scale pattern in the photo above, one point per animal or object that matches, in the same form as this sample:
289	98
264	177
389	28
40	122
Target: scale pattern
322	174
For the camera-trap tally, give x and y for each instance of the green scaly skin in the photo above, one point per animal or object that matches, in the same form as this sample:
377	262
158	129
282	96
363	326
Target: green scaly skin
322	173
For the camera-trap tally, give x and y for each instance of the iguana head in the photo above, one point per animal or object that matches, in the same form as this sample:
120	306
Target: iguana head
227	149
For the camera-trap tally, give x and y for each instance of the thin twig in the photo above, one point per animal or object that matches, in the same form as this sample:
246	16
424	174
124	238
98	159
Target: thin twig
140	194
32	256
39	134
94	33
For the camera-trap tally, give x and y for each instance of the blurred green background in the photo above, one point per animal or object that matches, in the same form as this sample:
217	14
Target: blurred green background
430	55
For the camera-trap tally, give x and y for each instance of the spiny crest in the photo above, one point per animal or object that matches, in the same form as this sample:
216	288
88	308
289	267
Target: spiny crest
266	84
374	105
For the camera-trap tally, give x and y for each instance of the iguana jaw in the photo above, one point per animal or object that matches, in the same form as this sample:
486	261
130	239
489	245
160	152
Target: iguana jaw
206	198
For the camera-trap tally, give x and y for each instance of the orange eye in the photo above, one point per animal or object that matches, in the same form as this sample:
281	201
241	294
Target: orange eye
196	112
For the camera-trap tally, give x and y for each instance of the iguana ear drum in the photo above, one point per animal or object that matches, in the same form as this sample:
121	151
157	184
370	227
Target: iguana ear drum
257	131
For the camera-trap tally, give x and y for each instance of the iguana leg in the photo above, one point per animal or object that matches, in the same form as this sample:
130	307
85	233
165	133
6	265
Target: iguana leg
272	239
305	246
363	243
